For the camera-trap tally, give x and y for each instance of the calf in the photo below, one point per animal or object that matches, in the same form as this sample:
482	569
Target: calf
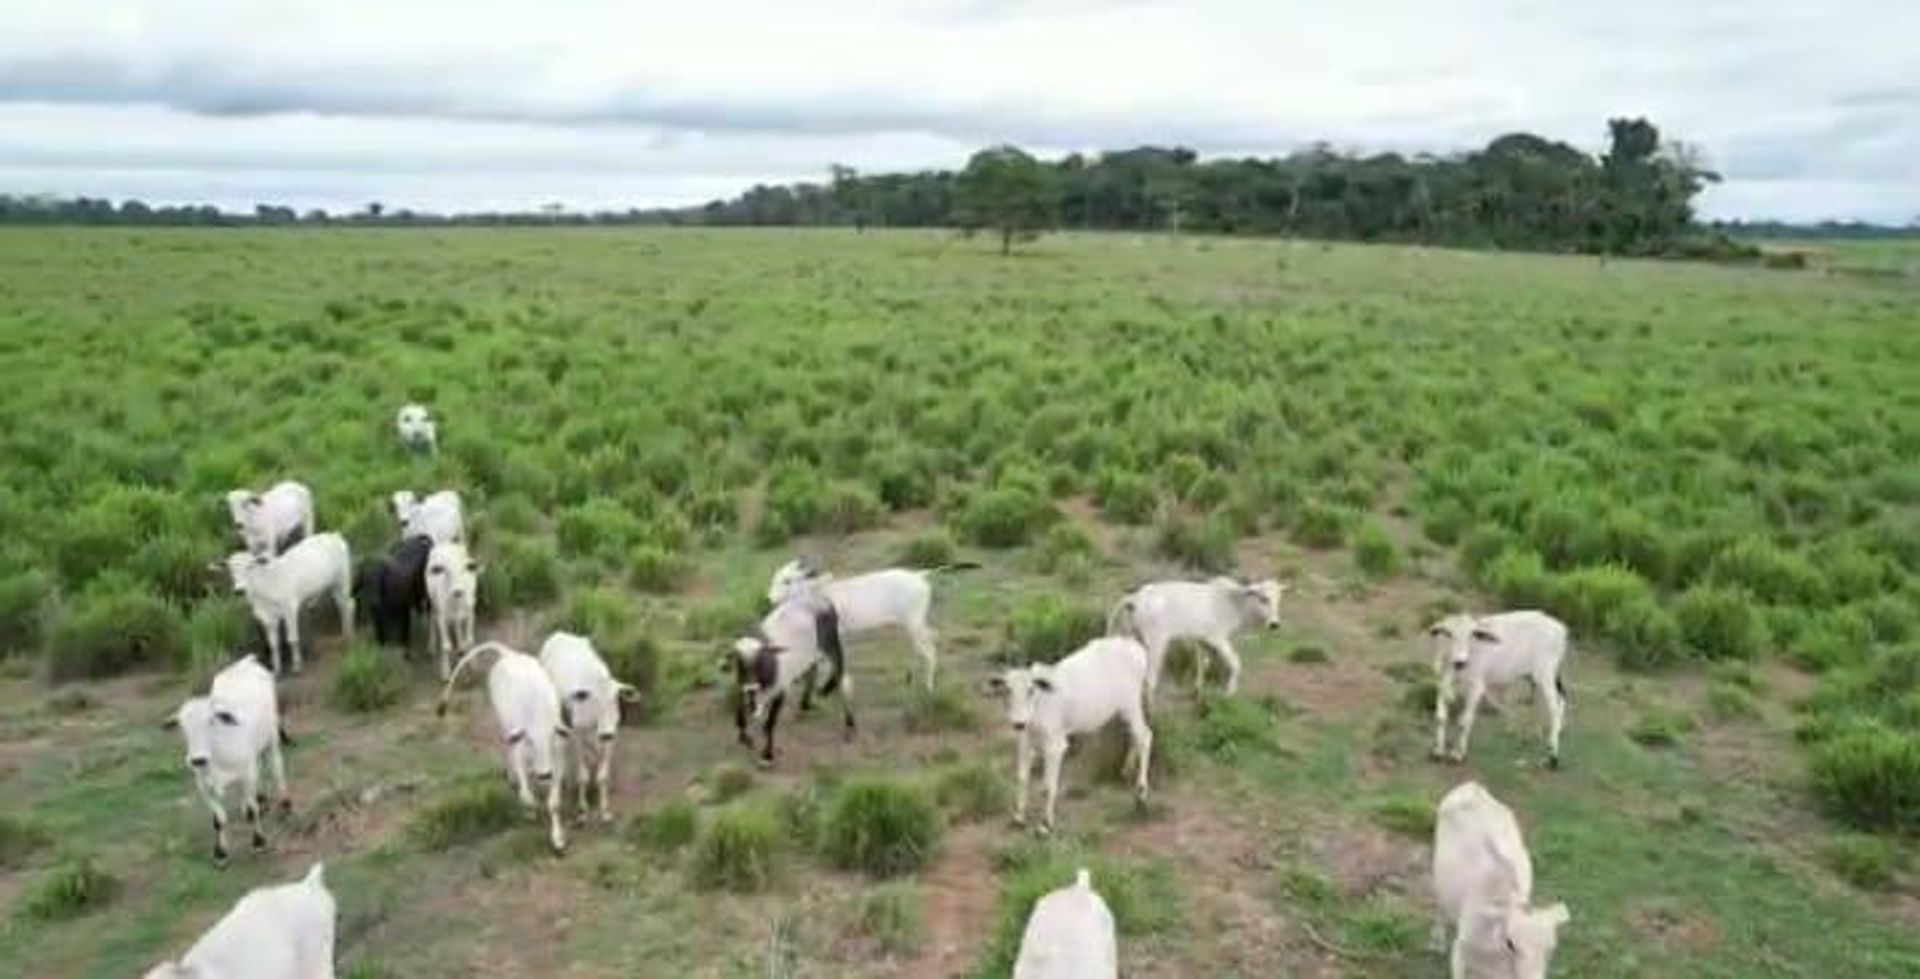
452	589
226	732
439	516
1069	936
271	522
280	932
1208	611
590	706
794	638
393	588
416	428
1483	881
1472	654
279	587
1048	705
527	707
895	597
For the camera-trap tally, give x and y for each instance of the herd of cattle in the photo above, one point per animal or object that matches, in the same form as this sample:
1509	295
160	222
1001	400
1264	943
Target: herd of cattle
561	708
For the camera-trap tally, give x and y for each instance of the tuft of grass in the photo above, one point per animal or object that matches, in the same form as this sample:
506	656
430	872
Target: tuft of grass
929	550
1320	526
1870	777
1307	652
890	916
1205	545
881	827
74	888
20	839
1730	703
1871	863
944	708
114	626
473	810
1007	516
728	782
1232	730
1046	627
668	829
369	679
24	602
1405	813
972	791
1661	727
655	569
1374	550
739	849
1720	623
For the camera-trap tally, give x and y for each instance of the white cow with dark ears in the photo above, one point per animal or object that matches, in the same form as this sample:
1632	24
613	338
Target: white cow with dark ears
1473	654
1483	881
1211	612
527	707
891	598
417	430
1047	705
269	523
277	588
590	701
226	733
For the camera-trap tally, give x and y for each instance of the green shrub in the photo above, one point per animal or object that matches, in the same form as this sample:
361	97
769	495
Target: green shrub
1593	599
598	613
1892	619
1630	540
1482	547
1768	573
729	782
724	618
655	569
972	791
1731	703
847	508
1374	550
1407	814
19	840
637	661
1520	578
1870	863
1646	635
1446	522
1125	498
24	598
667	829
1236	729
881	827
1719	623
796	503
115	626
1044	628
598	528
1320	526
471	811
1063	545
369	679
1870	777
174	566
739	849
929	550
890	916
1206	545
1660	727
1005	517
1307	653
522	573
74	888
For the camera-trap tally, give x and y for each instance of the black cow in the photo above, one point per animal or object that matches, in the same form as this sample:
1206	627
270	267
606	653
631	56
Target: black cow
393	588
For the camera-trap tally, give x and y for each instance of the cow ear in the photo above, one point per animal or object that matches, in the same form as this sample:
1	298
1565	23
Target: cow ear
226	717
996	684
1482	635
1043	683
171	723
475	567
1439	632
437	569
629	693
563	733
580	696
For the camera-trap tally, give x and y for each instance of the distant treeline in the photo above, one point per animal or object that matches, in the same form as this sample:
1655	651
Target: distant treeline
1520	191
1822	231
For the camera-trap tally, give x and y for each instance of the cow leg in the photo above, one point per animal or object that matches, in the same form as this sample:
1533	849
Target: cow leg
1442	698
556	831
921	635
1555	704
343	604
1202	659
293	639
846	705
1022	773
1156	661
272	629
806	688
278	762
1052	754
517	770
604	776
251	807
1476	689
773	720
1232	658
213	801
1457	959
1140	747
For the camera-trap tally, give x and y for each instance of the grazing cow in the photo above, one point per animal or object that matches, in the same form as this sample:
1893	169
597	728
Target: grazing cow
1069	936
417	430
279	932
439	516
795	638
1209	611
269	523
226	732
590	706
279	587
1473	654
527	707
1483	880
1049	704
393	588
452	590
895	597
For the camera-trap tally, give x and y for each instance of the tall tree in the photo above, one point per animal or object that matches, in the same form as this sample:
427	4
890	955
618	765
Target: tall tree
1006	189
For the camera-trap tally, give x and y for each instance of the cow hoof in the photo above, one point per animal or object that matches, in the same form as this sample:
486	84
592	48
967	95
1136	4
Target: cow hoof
259	844
763	762
220	859
1046	829
1553	762
606	819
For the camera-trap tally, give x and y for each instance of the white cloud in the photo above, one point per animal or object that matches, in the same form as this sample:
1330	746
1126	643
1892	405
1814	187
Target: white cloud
1811	108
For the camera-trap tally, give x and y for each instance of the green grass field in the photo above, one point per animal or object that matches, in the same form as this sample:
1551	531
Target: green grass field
1712	473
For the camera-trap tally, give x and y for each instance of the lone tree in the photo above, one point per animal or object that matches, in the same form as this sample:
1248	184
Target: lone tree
1006	189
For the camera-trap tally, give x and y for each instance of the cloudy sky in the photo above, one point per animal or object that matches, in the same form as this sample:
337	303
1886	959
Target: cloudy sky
1811	108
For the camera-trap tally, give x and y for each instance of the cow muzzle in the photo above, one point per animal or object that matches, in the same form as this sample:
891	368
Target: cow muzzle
197	763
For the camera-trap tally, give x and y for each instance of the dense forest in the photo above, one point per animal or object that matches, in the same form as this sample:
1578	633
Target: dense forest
1519	191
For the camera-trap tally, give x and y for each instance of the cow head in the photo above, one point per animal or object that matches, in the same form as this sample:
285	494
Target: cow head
1024	687
207	726
794	577
241	566
1260	602
404	503
1455	636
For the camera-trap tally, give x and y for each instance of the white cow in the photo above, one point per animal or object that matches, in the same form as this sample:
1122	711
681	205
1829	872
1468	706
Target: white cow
439	516
527	707
279	587
417	430
894	597
280	932
1208	611
452	590
590	706
799	635
1069	936
226	732
272	521
1483	880
1049	704
1473	654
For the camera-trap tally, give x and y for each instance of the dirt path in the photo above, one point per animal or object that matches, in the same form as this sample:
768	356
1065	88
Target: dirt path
959	904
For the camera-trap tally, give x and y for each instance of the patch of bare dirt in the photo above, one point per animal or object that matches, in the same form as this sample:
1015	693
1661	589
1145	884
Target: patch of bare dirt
1692	931
959	894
